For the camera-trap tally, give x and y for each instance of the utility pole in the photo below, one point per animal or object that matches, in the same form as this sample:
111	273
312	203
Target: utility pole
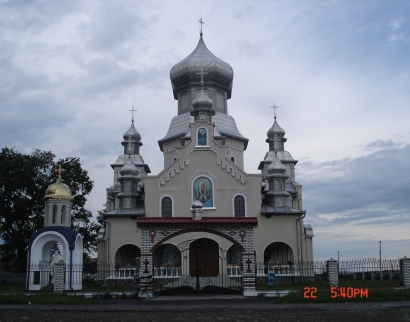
380	254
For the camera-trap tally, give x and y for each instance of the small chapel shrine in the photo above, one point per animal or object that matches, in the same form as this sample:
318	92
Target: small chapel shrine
55	252
203	215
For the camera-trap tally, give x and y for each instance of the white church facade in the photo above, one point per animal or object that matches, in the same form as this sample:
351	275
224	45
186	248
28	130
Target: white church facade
203	214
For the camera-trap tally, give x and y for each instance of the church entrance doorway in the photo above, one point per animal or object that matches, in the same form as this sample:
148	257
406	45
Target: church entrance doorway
201	268
204	258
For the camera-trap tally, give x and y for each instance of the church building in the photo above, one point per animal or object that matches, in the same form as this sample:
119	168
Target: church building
203	215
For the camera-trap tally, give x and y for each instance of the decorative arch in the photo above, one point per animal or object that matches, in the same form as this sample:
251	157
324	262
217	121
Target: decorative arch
239	205
202	190
234	255
167	255
279	253
202	136
127	255
211	231
166	206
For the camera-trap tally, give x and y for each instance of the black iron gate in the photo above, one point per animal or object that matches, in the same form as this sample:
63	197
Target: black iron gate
195	267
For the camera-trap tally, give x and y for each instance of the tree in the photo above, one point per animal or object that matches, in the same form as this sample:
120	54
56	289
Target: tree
23	182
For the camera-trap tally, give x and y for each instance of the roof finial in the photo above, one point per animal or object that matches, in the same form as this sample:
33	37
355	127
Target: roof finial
202	73
201	23
59	170
130	144
133	110
274	109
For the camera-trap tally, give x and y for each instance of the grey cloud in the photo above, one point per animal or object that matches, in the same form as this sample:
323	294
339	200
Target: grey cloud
33	16
107	30
380	144
106	77
365	179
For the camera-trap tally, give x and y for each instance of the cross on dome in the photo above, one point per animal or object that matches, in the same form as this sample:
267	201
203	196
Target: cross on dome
202	73
274	109
132	111
201	23
59	170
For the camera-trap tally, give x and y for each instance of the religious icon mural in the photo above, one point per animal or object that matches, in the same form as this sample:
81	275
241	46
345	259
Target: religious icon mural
202	136
203	191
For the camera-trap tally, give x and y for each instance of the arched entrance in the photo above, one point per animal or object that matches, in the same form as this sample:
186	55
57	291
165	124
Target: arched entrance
167	261
127	255
278	253
204	258
195	266
127	261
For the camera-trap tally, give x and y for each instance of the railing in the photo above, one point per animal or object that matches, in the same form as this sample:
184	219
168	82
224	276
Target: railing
167	272
41	275
370	269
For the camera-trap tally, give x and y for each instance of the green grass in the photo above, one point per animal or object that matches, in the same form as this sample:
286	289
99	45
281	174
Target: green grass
43	298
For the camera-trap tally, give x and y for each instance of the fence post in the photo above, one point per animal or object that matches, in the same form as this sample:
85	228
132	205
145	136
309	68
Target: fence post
332	272
405	271
58	277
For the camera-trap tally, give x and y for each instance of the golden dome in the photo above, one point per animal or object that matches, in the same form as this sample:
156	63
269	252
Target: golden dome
58	191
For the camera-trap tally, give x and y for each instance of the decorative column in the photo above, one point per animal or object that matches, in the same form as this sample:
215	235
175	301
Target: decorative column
405	271
332	272
58	277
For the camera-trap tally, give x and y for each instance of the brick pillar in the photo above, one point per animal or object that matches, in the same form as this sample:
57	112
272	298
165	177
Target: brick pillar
248	271
332	272
58	277
405	271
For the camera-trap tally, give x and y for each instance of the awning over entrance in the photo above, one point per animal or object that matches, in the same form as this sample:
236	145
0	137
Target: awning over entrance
210	221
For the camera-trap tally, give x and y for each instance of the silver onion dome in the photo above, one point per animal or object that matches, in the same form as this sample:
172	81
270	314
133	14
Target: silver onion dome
217	71
132	134
276	129
129	169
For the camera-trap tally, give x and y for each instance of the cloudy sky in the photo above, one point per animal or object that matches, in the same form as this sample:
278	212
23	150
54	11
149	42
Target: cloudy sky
339	70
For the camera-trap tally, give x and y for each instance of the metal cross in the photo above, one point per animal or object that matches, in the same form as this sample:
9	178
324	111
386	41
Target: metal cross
133	110
202	73
274	109
130	144
249	262
201	22
59	170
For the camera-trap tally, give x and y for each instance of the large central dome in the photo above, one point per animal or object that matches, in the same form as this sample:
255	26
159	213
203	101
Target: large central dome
218	73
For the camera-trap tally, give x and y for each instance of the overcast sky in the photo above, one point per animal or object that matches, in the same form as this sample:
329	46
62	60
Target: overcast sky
339	70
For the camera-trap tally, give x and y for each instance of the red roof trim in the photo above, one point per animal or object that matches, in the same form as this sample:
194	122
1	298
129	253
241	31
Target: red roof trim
246	221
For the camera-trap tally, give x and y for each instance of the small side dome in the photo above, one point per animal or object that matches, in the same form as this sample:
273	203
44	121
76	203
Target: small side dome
129	169
276	167
58	191
132	133
276	129
203	103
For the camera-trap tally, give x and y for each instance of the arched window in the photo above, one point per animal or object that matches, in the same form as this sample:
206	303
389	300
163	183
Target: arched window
54	213
239	206
202	136
203	192
232	159
63	214
166	207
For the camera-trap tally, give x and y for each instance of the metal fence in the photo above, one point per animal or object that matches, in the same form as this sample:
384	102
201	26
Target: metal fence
89	276
369	269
